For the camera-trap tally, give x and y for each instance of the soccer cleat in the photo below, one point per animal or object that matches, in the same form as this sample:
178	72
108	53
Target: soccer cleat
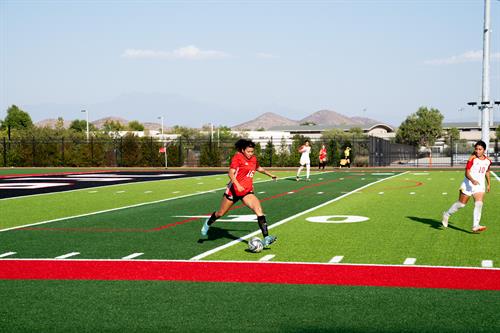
204	229
268	240
444	221
478	229
297	178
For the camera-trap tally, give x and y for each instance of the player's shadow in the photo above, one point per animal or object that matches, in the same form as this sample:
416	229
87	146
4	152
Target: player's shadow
435	224
216	233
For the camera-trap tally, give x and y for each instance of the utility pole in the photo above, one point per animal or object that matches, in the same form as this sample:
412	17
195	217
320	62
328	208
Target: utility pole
87	114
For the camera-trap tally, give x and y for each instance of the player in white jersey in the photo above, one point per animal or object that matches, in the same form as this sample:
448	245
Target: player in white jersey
476	182
305	150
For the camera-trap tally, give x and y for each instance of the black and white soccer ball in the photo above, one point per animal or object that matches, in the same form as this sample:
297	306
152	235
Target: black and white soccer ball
255	245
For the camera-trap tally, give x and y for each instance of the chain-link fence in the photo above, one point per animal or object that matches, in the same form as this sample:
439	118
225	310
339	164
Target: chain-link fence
130	151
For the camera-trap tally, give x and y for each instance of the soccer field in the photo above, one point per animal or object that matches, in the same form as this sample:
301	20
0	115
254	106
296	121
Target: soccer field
360	223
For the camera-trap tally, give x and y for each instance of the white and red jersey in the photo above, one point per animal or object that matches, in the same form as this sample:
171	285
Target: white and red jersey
245	170
478	167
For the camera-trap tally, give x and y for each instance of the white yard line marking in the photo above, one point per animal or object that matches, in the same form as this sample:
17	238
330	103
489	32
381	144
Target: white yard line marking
67	255
93	191
175	192
496	176
257	232
120	192
290	192
320	192
487	263
412	193
336	259
6	254
444	193
380	192
261	192
148	191
119	208
267	257
133	255
410	261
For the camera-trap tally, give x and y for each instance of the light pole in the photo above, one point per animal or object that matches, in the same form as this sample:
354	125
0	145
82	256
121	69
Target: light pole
161	117
87	114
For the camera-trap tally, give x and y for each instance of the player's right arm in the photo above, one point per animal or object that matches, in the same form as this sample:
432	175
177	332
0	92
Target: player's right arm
232	176
470	162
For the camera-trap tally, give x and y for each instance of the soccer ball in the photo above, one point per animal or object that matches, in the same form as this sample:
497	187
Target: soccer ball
255	245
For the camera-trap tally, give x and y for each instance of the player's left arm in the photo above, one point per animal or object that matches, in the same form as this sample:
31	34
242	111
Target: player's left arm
267	173
488	180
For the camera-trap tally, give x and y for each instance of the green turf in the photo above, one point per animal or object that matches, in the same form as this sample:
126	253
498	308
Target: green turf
401	225
119	233
152	306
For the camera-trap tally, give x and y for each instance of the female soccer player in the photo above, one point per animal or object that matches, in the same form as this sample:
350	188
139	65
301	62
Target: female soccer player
476	171
322	157
305	150
241	172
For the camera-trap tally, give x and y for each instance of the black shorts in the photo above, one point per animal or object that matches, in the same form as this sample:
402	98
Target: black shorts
231	196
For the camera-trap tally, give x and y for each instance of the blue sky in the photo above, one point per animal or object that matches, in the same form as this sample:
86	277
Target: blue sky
226	62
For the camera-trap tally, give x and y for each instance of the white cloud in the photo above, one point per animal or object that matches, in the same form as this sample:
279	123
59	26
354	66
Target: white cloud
262	55
190	52
469	56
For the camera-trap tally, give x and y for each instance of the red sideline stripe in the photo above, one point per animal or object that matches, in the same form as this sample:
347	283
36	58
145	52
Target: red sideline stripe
350	275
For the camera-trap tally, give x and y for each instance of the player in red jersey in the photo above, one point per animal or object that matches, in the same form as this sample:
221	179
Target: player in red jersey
241	172
476	182
322	157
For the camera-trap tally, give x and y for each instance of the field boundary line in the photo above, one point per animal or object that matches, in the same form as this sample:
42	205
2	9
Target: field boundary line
126	207
496	176
274	225
251	272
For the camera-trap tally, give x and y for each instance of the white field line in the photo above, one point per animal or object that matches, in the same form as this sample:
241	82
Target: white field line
336	259
125	207
6	254
251	262
410	261
274	225
133	255
67	255
267	257
487	263
496	176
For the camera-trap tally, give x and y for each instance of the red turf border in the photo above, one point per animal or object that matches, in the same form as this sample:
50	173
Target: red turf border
280	273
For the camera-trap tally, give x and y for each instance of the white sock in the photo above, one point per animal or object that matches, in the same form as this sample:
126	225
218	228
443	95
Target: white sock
478	207
300	169
308	170
456	206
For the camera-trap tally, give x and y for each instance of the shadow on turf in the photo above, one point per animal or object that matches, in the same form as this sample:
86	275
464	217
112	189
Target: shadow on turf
435	224
216	233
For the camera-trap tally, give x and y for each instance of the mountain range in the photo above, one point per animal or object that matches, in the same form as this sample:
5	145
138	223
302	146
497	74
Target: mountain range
322	117
264	121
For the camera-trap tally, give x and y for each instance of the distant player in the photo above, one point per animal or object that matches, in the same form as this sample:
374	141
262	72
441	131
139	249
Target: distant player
305	150
322	157
477	171
241	171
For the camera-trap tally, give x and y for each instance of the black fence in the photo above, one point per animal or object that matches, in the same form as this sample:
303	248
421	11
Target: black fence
132	151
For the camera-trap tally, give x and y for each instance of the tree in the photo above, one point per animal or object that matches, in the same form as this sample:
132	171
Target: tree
421	128
134	125
17	119
452	135
112	126
78	125
358	131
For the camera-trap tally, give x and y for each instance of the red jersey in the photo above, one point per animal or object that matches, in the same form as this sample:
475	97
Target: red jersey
322	154
245	169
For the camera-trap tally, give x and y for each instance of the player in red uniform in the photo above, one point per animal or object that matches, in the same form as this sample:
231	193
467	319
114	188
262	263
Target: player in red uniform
241	172
322	157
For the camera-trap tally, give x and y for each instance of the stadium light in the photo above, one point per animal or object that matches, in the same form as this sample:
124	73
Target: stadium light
87	114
